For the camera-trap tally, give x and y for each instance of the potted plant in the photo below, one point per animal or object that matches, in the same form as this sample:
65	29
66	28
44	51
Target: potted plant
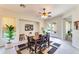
10	32
69	35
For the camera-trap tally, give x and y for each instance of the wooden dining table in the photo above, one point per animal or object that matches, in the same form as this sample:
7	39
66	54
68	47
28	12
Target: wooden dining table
36	40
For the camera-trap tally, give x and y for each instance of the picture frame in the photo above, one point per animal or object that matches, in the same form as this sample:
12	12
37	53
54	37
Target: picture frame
28	27
76	25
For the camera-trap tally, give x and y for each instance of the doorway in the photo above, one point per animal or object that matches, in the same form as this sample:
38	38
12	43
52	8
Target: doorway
68	29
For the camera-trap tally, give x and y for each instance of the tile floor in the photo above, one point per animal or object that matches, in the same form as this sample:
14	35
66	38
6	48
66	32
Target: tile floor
65	48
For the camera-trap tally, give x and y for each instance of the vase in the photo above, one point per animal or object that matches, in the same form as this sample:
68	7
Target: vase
9	45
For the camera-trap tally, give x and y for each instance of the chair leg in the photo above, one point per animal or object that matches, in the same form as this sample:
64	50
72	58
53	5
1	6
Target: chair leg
48	43
35	48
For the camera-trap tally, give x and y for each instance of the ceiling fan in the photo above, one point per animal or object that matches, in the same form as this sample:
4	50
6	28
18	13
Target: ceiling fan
45	14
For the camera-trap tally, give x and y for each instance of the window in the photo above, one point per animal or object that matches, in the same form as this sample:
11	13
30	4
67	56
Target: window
51	27
68	26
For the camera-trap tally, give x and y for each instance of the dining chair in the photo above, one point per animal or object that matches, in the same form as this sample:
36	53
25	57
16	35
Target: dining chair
21	37
30	43
41	43
48	39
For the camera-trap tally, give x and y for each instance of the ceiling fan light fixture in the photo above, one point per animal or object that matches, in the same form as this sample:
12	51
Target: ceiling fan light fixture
44	17
45	14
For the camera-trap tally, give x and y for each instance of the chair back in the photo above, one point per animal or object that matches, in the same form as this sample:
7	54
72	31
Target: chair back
29	39
47	36
21	37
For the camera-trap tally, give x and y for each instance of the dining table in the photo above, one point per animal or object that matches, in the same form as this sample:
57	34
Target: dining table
36	40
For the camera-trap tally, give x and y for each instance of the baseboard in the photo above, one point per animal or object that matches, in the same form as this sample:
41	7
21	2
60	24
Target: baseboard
55	37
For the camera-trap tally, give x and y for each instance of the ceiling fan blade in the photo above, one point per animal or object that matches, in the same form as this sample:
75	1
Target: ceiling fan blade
49	16
49	12
39	12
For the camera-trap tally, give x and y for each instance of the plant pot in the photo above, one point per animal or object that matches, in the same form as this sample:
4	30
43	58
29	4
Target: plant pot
9	45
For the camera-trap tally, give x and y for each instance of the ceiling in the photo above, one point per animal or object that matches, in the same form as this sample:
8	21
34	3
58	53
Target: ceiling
32	10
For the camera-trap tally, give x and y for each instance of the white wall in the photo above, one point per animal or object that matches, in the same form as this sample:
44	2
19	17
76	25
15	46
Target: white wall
75	33
8	13
1	41
0	27
75	38
22	27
